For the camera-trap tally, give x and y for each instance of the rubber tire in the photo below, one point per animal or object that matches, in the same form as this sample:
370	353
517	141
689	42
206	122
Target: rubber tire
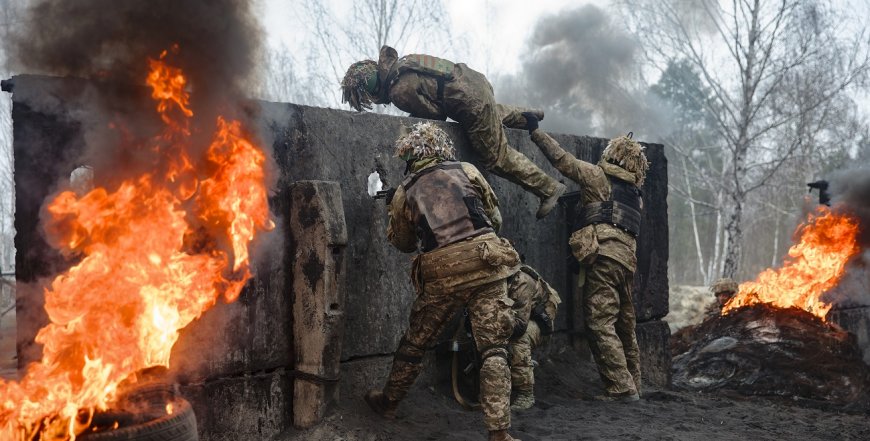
180	426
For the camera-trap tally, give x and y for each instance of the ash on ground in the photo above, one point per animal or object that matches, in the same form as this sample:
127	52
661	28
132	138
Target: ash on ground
761	350
565	380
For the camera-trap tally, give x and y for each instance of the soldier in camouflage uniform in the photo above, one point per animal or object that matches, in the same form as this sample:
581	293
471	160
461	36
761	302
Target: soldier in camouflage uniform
724	289
535	304
605	245
434	88
449	210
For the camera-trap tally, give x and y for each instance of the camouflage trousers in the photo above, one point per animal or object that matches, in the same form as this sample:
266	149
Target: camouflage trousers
469	100
522	371
489	310
610	323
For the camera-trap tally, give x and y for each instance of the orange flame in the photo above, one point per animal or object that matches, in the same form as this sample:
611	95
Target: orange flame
150	264
814	265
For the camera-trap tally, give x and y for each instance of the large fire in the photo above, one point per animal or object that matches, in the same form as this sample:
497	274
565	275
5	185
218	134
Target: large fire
815	264
155	252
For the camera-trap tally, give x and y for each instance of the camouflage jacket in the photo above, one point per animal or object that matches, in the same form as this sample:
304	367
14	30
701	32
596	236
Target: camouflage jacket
409	89
466	264
594	187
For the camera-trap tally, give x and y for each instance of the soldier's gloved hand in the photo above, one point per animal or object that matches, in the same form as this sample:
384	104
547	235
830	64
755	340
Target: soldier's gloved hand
520	327
531	122
389	198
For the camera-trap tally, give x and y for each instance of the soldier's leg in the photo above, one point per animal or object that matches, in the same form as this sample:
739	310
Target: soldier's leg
522	368
625	328
470	101
601	306
512	116
492	323
429	314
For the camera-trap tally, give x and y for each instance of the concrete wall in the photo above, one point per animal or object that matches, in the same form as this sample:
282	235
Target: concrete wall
236	362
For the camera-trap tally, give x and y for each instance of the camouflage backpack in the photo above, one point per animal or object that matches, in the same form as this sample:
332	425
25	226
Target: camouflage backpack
426	65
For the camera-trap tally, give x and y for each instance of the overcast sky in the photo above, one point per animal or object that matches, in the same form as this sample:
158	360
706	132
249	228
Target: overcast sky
482	24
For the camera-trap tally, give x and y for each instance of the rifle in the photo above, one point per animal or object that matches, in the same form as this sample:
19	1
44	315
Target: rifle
386	195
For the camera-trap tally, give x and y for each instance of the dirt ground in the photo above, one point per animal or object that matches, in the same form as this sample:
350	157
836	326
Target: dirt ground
564	411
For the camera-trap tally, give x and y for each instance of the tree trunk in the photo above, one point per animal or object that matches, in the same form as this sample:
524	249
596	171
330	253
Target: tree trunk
734	230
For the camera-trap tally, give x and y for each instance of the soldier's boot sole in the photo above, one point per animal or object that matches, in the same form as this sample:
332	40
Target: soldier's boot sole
549	203
382	405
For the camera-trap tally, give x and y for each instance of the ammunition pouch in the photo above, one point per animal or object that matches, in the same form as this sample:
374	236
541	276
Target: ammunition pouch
584	245
471	262
614	213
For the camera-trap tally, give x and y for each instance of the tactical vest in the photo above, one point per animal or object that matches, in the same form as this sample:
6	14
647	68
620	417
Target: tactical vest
622	210
438	68
445	206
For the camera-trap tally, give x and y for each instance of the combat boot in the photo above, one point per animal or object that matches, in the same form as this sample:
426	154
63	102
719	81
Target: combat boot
549	203
525	400
382	405
501	435
627	397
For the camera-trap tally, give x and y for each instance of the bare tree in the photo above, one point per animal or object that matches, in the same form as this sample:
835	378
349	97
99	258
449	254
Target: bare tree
778	72
416	25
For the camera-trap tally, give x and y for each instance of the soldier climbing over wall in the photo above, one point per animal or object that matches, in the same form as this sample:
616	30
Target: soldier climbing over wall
434	88
448	210
535	304
604	244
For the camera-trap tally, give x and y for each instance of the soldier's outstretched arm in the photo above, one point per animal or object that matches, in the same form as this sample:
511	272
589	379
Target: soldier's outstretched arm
487	196
400	231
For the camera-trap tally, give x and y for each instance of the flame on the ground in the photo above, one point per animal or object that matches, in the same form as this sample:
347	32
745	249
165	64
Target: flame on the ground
156	252
815	264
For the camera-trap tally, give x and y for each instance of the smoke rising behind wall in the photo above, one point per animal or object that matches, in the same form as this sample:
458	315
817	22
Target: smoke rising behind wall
583	69
850	190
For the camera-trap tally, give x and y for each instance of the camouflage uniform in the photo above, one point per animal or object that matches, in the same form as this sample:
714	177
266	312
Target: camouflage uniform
723	290
434	88
464	263
607	255
534	300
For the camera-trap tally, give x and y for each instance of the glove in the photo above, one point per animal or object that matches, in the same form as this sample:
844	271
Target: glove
539	314
520	327
531	122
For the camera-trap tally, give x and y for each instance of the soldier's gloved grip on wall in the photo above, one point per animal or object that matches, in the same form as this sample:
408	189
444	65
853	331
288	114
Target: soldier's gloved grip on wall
531	122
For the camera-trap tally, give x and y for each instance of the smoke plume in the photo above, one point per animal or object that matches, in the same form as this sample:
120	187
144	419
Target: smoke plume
850	191
214	42
583	69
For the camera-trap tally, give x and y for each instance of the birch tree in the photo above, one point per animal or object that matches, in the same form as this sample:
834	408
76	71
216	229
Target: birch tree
768	100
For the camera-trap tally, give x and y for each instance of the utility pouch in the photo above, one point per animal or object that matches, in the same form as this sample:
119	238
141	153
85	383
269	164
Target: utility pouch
499	253
584	245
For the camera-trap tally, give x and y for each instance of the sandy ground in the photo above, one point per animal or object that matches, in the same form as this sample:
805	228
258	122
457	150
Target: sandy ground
564	412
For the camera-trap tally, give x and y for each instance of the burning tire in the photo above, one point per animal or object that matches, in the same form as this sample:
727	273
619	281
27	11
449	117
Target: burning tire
152	414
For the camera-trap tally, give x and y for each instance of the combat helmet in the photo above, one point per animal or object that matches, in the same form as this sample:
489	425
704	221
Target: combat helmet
723	285
628	154
425	140
360	84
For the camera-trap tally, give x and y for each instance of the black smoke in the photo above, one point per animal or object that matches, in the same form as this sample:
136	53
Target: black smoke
112	40
583	67
850	192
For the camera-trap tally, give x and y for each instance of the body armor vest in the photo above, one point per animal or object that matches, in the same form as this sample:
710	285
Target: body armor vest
438	68
622	210
445	206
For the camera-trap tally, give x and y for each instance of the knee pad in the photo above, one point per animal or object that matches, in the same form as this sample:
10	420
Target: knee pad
494	351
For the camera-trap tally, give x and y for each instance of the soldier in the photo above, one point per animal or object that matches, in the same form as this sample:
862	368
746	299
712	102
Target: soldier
434	88
723	289
535	304
604	244
449	209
